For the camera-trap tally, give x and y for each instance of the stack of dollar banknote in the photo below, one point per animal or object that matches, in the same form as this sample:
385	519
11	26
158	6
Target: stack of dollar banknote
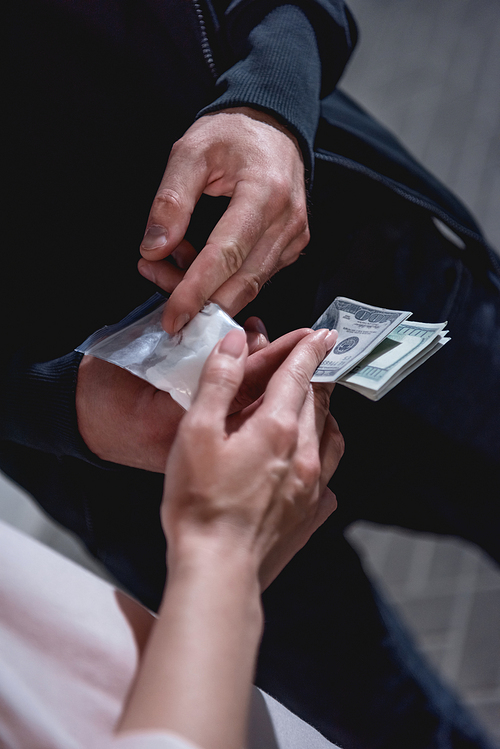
376	347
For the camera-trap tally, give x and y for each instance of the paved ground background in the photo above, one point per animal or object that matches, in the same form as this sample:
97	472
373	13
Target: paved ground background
430	70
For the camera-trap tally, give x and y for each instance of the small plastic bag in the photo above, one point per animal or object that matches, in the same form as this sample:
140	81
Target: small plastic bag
139	344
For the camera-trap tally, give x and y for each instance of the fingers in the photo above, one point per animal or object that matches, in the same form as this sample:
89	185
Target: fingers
327	503
255	161
246	219
252	159
180	189
317	453
162	273
262	365
288	387
184	254
259	233
219	381
231	271
331	449
257	337
266	259
168	273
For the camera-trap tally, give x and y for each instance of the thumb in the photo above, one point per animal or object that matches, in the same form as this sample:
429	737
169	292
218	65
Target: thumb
221	378
173	205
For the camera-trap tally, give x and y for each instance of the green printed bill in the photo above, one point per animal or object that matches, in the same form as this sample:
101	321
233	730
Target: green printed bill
405	349
376	347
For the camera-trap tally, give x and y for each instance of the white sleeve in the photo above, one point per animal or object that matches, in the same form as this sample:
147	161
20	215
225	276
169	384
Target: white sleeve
147	740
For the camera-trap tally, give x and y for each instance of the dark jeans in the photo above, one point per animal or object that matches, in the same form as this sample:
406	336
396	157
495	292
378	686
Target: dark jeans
425	457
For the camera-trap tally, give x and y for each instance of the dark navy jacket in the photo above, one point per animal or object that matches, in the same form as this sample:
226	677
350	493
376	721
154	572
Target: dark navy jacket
98	92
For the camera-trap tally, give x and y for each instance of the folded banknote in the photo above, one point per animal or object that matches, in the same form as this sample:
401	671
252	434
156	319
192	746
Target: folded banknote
376	347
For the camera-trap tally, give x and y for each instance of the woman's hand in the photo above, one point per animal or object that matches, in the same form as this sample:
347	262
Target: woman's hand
240	499
257	490
124	419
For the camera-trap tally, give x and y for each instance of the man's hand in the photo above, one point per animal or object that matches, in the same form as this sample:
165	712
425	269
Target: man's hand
248	156
125	420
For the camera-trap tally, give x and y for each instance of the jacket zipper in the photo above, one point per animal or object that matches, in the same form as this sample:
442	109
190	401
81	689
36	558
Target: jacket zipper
205	43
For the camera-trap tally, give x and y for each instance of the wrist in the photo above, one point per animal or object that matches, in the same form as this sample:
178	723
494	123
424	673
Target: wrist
260	116
222	590
256	114
203	559
193	554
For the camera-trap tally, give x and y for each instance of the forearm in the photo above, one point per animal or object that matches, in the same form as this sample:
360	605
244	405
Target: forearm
196	675
231	500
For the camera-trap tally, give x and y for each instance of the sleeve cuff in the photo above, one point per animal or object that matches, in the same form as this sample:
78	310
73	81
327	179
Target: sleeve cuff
281	75
40	409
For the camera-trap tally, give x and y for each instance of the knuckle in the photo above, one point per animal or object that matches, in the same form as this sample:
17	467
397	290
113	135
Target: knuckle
335	436
299	220
196	427
299	226
166	198
283	433
299	234
290	256
194	141
281	186
308	469
300	375
321	397
180	146
233	254
252	284
220	376
305	234
339	443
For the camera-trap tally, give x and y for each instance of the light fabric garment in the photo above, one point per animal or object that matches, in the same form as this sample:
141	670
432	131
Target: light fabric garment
69	647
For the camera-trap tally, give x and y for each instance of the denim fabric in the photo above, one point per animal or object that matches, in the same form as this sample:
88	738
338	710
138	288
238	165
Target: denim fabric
425	457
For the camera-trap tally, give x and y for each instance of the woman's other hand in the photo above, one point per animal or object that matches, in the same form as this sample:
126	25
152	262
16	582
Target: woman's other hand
258	489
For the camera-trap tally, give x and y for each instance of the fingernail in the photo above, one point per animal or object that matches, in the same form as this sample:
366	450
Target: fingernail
233	344
146	271
156	236
259	325
181	321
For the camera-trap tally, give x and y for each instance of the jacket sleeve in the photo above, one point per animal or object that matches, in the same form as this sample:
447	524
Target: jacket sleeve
37	407
282	59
